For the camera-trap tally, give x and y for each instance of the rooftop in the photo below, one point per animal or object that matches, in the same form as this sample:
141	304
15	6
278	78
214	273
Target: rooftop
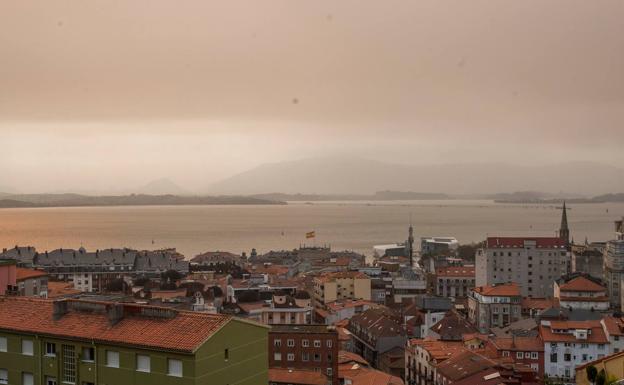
501	290
146	327
581	283
456	271
315	329
518	242
296	376
22	274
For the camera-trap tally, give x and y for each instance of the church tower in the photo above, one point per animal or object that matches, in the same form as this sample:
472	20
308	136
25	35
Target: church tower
410	245
564	231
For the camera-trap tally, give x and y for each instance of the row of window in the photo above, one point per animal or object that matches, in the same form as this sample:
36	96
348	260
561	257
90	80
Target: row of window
143	362
305	356
304	343
522	355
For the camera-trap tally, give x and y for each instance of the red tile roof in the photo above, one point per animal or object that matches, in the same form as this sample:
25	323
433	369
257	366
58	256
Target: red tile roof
501	290
456	271
185	332
296	376
59	289
518	242
362	375
519	343
614	326
596	336
22	274
581	284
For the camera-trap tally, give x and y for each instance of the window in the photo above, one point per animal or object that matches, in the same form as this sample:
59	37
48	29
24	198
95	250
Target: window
534	355
28	379
50	381
553	357
50	349
329	343
317	357
27	347
305	343
112	359
290	357
305	356
520	355
69	364
143	363
174	368
329	372
277	343
3	344
567	357
506	353
226	354
88	354
290	343
317	343
4	376
277	356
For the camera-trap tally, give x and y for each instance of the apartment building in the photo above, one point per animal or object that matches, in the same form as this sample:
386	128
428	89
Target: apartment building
31	283
330	287
8	276
455	281
422	357
579	291
305	347
533	263
86	342
494	306
568	344
614	265
527	350
375	332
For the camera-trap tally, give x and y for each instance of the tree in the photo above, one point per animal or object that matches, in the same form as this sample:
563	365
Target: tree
142	281
591	372
171	275
601	378
117	284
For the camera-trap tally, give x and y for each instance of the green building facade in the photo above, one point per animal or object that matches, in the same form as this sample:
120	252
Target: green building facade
235	354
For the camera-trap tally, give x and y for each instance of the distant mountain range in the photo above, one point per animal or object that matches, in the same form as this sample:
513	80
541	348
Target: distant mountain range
349	176
76	200
163	186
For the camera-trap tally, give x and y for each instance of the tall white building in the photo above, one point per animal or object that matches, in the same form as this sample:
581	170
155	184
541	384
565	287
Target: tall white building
534	263
614	265
568	344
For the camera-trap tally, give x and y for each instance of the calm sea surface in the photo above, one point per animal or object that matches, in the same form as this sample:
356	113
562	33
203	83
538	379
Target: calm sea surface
345	225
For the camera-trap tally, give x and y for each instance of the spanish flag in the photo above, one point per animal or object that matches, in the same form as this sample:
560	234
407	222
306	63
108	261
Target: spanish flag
311	234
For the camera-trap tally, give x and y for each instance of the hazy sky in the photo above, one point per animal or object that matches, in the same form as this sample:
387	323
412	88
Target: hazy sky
103	94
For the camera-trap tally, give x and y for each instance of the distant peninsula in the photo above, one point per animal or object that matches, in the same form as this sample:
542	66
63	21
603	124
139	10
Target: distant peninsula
536	197
77	200
378	196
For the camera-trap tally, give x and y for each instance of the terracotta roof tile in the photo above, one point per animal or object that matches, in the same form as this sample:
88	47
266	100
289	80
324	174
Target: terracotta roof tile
456	271
22	274
184	332
581	284
518	242
596	336
296	376
502	290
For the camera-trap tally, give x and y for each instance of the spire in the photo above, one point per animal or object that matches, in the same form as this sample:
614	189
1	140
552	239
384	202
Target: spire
564	231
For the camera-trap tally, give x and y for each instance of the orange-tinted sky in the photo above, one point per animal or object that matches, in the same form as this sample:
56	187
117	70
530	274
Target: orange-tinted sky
107	93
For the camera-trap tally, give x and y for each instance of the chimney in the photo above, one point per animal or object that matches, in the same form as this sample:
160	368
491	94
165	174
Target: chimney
115	313
59	309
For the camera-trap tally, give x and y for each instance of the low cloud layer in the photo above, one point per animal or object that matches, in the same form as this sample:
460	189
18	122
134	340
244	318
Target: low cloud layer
98	95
